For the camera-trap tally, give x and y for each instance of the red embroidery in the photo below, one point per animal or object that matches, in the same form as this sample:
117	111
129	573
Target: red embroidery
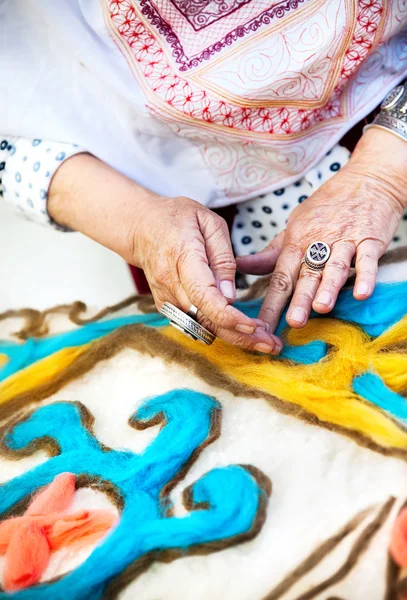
195	103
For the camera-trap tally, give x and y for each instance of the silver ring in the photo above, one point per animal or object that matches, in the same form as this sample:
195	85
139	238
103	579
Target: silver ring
317	255
192	312
186	323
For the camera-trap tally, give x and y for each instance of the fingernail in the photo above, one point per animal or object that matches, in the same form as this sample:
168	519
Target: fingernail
263	348
262	325
362	289
298	314
278	347
324	298
228	289
245	328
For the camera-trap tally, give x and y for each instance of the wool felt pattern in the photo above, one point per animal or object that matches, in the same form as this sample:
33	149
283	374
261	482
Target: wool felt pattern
189	421
344	373
359	360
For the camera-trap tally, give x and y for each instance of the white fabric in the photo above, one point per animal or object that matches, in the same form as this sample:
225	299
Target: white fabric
28	166
63	78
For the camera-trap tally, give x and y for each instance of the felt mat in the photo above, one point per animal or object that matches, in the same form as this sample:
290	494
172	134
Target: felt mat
136	463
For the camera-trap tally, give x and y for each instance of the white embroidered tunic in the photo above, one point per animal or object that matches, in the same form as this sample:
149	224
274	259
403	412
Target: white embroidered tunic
218	101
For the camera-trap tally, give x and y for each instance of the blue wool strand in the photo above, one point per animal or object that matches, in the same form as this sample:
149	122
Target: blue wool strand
386	306
230	494
24	355
372	388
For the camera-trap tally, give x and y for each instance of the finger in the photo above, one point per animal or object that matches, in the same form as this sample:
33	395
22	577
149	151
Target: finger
334	276
260	341
281	285
199	284
305	290
367	258
220	254
263	262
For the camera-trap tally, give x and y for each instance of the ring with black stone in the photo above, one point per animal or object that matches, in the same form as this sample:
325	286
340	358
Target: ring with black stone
317	255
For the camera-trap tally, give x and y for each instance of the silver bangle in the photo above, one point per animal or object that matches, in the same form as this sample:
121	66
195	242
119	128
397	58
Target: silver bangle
186	323
393	113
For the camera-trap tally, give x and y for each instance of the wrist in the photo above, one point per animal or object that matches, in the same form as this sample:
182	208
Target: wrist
89	196
381	156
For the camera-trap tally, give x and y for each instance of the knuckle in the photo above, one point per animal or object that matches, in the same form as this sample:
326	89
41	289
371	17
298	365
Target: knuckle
236	339
216	223
270	314
280	283
348	245
218	316
208	324
294	248
363	256
370	272
215	314
196	293
340	265
220	222
224	260
305	297
310	275
332	283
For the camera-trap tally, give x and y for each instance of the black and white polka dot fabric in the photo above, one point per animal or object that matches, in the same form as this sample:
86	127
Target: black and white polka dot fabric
26	170
258	221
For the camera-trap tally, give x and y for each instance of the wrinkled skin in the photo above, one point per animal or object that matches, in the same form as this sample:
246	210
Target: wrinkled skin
356	212
188	259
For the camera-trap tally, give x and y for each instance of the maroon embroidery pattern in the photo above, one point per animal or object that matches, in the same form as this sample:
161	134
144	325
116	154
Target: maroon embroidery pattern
201	13
277	11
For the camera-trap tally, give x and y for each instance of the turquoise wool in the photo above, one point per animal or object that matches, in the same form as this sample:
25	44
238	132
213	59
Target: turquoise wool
387	305
231	495
373	389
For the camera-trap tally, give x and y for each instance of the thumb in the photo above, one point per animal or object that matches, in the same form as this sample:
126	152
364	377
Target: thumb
263	262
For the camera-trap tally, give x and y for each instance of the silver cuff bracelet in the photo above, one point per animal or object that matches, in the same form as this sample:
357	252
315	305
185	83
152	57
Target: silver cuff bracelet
393	113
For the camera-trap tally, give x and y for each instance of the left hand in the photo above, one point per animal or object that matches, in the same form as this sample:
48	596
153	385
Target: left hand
356	212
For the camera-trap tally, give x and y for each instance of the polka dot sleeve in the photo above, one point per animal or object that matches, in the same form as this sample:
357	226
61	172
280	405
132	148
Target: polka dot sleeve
26	170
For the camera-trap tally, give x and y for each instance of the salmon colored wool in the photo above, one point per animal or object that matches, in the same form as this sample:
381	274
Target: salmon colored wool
398	543
28	541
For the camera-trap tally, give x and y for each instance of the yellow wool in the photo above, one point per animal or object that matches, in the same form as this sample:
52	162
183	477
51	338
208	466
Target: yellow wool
3	359
39	373
395	335
324	388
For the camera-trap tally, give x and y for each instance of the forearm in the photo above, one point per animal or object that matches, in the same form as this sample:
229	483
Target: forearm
88	196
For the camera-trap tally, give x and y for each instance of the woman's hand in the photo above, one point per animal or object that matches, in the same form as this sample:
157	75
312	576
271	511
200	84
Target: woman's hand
356	212
183	248
187	257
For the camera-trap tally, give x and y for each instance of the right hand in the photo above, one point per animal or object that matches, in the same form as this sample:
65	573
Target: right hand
186	254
